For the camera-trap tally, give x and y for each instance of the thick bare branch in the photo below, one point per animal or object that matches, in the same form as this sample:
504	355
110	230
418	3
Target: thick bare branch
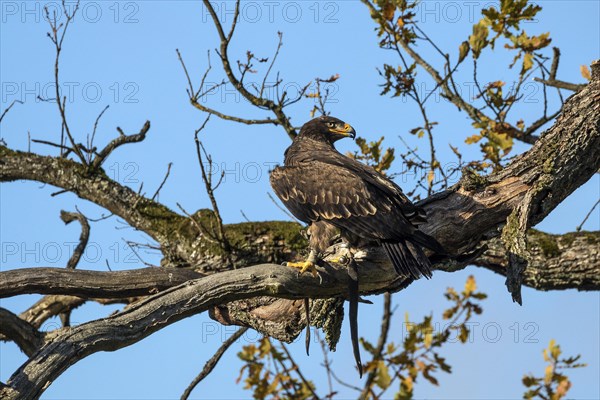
25	335
556	262
141	213
92	284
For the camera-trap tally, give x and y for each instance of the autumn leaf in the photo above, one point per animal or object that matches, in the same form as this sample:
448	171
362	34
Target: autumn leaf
585	72
463	51
527	62
470	285
430	177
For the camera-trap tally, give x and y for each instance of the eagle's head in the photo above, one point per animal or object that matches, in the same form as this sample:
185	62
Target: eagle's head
327	128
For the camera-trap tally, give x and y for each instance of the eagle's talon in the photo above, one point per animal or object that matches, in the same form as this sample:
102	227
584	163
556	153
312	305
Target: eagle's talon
304	266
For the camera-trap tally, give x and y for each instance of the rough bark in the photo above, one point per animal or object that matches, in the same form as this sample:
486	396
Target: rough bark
25	335
556	262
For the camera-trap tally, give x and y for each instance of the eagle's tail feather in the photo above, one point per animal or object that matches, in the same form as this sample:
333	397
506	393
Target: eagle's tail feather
427	241
408	259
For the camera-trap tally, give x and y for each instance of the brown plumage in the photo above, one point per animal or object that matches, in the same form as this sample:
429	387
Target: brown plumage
319	184
328	190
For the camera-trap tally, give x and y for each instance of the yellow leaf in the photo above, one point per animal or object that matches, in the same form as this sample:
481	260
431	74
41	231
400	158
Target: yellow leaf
470	285
473	139
585	72
527	62
430	177
548	374
428	339
463	50
383	378
563	388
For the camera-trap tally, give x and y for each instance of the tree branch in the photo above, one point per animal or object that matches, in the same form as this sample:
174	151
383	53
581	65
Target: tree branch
67	218
556	262
212	362
140	212
92	284
27	337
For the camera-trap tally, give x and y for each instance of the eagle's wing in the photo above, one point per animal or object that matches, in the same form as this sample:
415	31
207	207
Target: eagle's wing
322	191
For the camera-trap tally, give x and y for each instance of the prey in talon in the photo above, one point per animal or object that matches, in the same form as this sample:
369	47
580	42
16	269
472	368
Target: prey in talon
330	191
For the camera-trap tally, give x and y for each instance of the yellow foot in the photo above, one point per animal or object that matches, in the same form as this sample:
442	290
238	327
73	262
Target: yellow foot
304	266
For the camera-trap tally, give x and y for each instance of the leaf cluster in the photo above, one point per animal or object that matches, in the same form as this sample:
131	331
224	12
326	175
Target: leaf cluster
554	385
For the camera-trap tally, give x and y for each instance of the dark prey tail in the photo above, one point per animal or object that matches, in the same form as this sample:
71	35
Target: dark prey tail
353	313
408	259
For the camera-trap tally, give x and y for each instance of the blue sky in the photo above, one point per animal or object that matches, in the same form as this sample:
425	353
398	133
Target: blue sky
122	54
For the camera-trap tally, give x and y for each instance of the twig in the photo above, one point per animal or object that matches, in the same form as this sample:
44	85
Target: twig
212	362
119	141
587	216
385	328
297	370
575	87
163	181
67	218
55	28
210	190
286	212
131	246
8	108
91	141
263	103
201	228
326	364
244	215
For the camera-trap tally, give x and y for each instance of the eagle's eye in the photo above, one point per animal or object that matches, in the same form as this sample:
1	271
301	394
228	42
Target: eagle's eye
331	124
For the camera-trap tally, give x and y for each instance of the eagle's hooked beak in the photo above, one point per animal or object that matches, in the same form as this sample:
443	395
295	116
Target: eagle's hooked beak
344	130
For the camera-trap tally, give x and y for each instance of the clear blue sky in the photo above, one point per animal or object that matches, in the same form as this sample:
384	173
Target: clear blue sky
122	54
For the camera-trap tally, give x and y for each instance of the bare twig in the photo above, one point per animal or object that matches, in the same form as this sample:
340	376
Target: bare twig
210	189
58	42
67	218
587	216
296	368
326	364
575	87
212	362
385	328
286	212
8	108
263	103
163	181
119	141
91	147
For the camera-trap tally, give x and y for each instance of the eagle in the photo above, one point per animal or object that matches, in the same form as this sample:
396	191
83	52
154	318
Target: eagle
332	192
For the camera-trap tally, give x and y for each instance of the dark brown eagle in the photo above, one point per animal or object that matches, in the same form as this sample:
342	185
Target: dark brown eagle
330	192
